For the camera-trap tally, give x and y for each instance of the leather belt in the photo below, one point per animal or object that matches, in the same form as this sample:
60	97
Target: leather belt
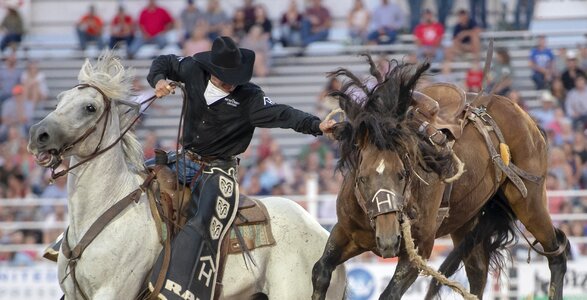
210	160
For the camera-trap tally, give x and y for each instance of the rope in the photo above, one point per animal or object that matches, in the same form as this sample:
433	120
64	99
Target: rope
334	112
427	270
460	169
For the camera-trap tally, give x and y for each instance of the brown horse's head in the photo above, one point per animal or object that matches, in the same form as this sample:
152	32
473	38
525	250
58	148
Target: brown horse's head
381	187
381	148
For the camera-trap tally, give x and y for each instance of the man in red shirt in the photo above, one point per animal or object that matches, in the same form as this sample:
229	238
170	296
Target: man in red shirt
154	22
121	28
89	29
428	36
474	77
316	23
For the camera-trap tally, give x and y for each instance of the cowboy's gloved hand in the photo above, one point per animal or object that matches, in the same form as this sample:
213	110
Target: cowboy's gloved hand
326	127
163	88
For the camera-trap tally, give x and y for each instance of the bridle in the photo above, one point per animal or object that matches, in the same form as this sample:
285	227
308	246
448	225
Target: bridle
394	203
97	151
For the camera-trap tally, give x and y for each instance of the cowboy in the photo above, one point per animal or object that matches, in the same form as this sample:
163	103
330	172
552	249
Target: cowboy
223	110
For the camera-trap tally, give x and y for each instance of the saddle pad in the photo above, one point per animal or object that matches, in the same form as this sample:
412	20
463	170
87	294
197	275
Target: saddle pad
253	223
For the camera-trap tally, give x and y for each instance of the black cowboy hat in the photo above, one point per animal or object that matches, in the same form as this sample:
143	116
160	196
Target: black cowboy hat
228	62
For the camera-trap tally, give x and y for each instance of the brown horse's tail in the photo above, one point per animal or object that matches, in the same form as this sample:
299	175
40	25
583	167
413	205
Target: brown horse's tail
493	232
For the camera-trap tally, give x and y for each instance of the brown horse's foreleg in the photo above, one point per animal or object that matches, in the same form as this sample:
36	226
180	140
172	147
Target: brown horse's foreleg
533	213
338	249
405	274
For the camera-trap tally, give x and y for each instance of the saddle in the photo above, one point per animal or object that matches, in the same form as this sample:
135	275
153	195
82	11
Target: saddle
251	228
441	108
174	206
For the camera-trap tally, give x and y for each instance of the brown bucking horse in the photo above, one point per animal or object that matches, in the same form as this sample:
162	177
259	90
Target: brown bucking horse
395	168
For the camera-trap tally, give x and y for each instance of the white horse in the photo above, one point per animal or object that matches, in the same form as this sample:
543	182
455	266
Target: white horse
115	265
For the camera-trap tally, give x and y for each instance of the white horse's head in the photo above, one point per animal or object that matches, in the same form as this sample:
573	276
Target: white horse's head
89	116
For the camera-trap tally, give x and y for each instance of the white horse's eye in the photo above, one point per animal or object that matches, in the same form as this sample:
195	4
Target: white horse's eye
90	108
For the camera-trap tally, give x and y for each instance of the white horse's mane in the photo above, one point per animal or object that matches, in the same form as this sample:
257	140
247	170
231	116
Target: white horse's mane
110	76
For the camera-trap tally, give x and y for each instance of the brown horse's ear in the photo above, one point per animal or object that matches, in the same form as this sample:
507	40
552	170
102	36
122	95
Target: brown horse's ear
342	131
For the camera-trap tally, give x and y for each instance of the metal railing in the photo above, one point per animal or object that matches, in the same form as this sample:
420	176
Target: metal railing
311	202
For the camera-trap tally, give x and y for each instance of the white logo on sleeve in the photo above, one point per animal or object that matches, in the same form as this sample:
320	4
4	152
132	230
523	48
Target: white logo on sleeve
267	101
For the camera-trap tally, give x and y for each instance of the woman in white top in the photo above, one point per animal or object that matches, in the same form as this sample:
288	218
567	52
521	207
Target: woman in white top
34	83
358	22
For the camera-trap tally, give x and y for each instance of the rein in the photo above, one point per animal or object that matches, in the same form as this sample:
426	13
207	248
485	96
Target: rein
90	130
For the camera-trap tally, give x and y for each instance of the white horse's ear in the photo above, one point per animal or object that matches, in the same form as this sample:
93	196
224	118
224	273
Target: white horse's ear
85	71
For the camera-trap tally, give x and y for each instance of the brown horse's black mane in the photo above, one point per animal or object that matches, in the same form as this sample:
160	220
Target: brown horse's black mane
378	115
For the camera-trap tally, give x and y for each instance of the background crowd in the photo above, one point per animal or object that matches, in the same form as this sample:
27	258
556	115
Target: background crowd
264	170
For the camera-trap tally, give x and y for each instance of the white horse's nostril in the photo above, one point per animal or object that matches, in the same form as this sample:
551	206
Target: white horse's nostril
43	137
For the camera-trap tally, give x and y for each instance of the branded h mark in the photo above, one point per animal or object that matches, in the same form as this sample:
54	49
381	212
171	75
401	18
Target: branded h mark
207	274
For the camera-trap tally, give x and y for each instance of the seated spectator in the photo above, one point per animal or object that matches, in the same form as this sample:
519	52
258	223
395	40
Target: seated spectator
552	184
263	21
316	23
239	25
18	188
291	25
151	143
559	123
514	95
560	61
216	18
576	104
154	22
571	72
57	190
558	91
189	17
501	74
545	114
474	77
16	111
281	167
583	56
122	29
358	22
248	9
34	83
258	41
542	64
10	76
89	29
198	41
428	36
23	258
465	37
558	165
386	20
13	28
327	103
267	145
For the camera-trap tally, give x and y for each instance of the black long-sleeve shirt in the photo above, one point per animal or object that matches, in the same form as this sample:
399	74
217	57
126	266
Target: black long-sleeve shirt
225	128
